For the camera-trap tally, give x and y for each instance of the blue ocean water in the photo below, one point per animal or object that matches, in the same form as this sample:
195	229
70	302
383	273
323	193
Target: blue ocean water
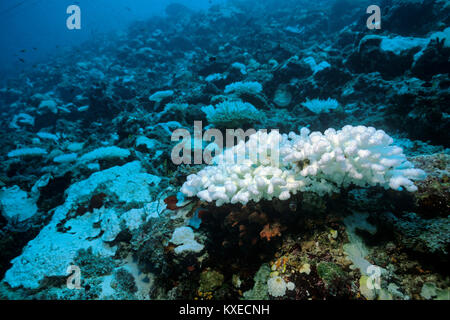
224	150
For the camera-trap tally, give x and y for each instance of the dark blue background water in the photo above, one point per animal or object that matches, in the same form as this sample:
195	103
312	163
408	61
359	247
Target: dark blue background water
32	30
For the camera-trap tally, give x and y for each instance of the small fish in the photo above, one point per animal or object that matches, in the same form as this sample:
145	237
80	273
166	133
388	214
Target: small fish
21	60
212	59
23	50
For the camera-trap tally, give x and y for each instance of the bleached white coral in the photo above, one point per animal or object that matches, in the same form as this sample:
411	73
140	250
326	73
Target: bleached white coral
251	87
185	238
75	146
276	286
27	152
280	165
144	141
398	45
232	114
181	235
319	106
21	119
215	77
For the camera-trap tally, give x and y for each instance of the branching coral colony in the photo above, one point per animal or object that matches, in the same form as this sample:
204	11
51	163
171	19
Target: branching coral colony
314	162
261	196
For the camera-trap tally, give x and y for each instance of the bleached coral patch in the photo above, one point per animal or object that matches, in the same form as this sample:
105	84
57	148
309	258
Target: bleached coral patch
65	158
55	247
232	114
47	136
161	95
27	152
314	162
16	204
276	286
314	66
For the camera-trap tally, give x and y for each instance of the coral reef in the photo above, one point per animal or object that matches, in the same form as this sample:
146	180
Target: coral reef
295	211
271	165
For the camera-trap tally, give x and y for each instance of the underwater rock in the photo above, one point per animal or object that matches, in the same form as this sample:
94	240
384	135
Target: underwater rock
22	119
276	286
47	106
27	152
356	250
321	106
425	13
52	251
